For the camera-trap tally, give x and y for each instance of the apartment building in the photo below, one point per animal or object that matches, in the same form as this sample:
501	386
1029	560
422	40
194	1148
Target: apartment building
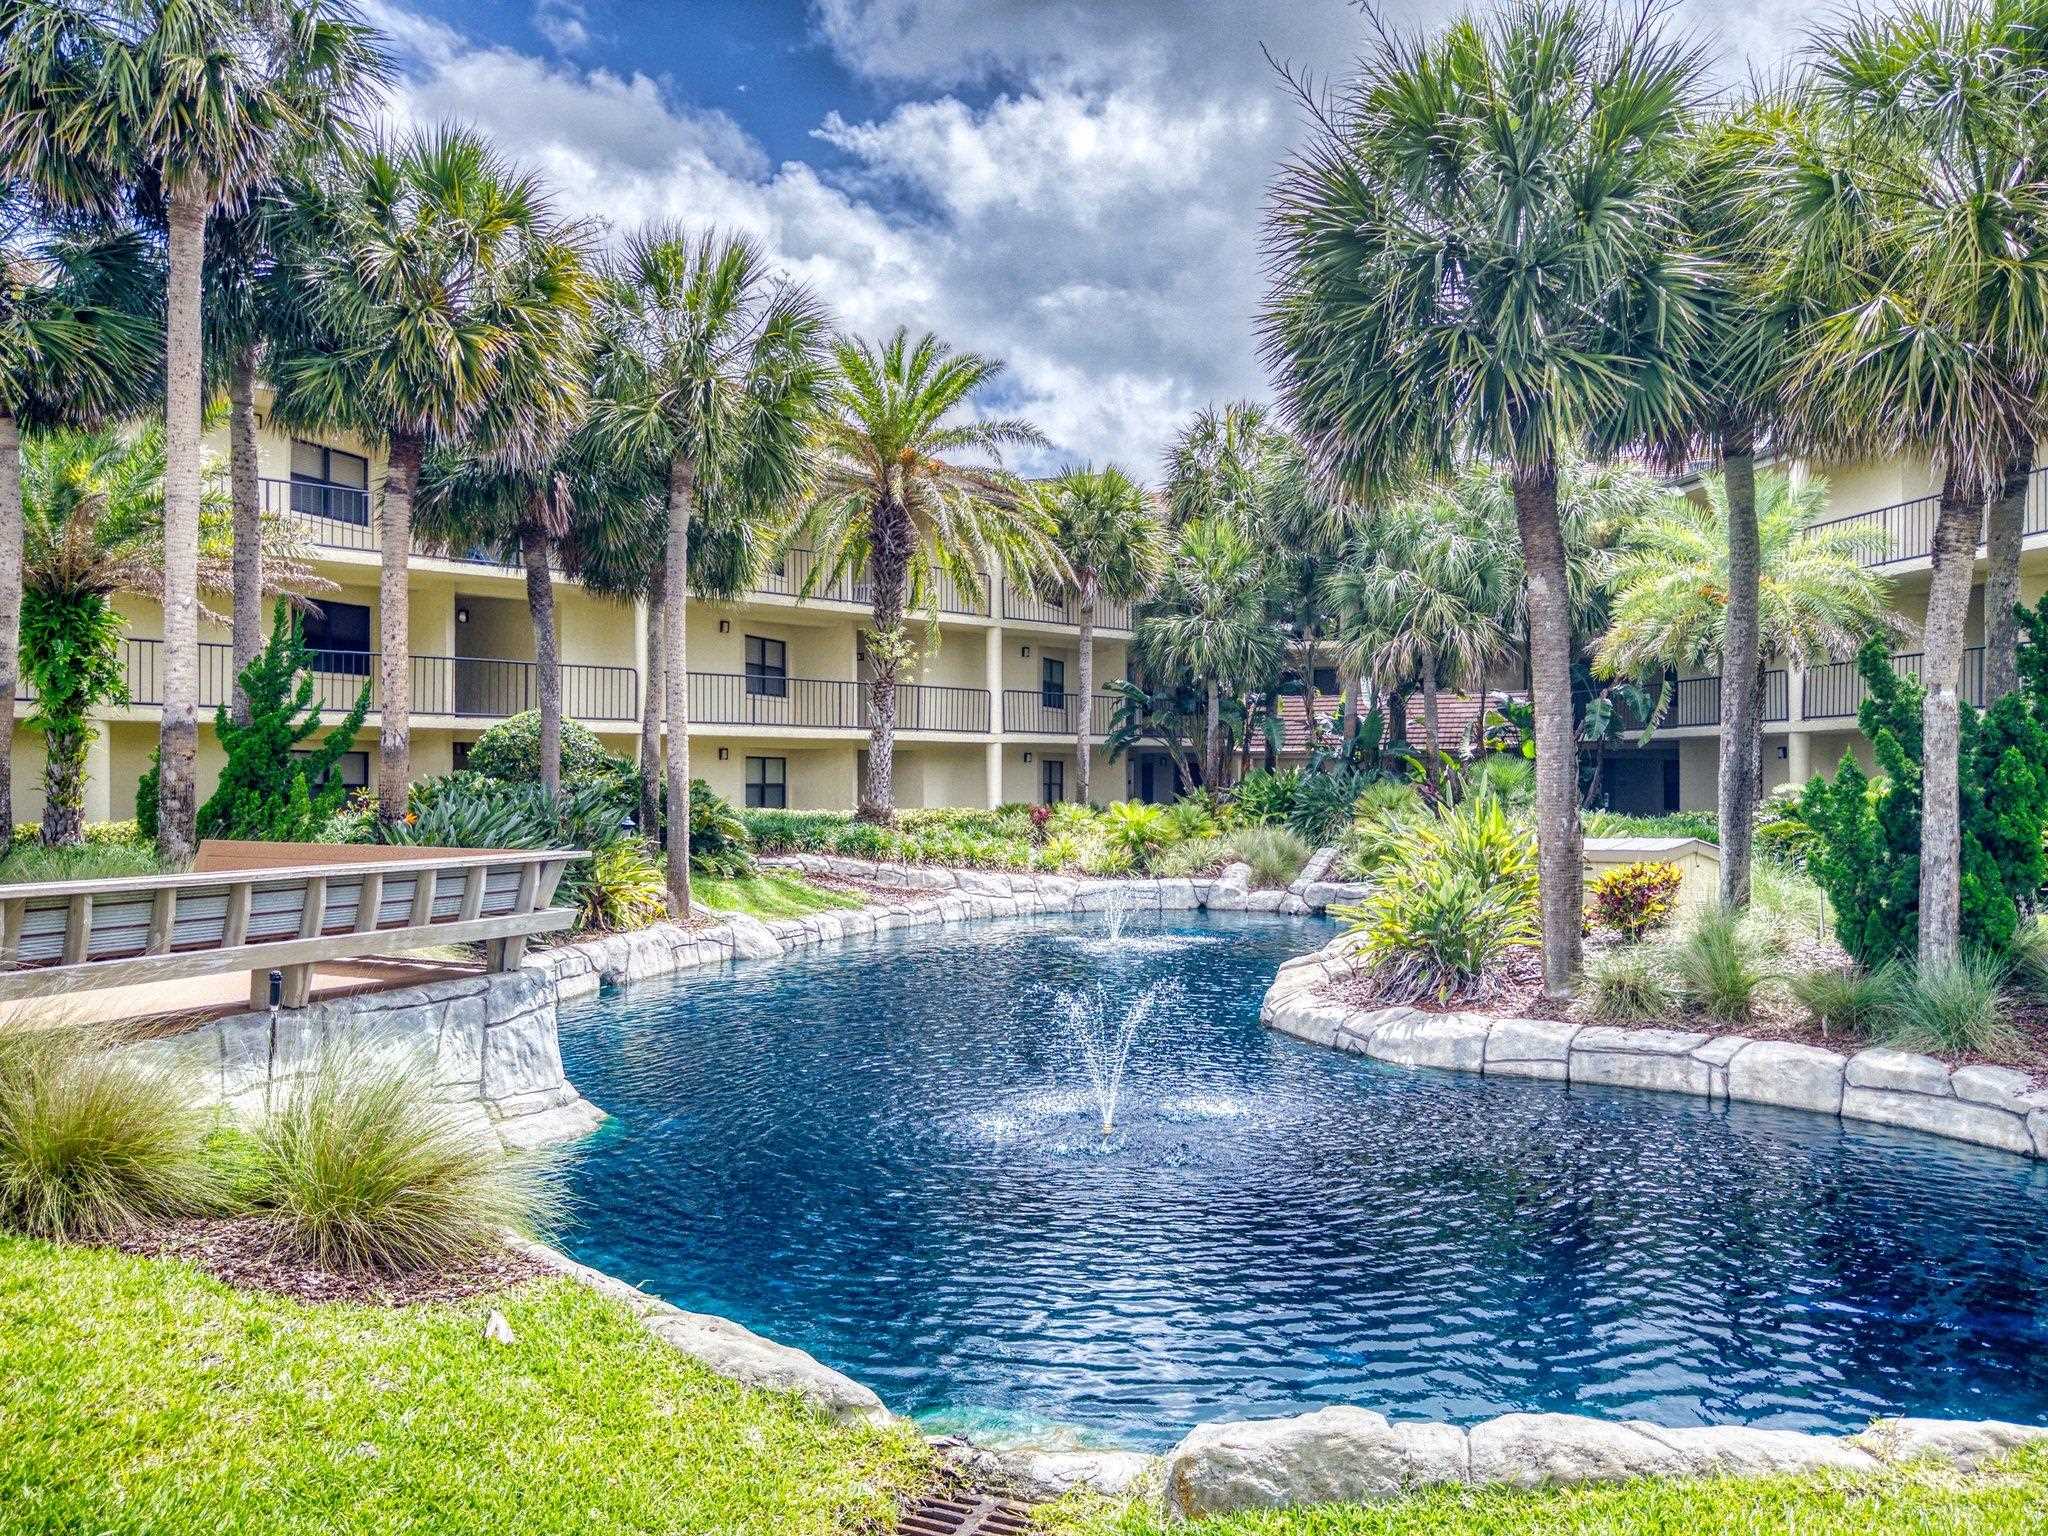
1810	712
778	711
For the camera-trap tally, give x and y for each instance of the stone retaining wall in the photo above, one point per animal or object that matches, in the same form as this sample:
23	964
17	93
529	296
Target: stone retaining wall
1988	1106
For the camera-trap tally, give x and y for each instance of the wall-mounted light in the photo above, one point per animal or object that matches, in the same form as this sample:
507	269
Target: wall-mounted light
1027	757
1781	751
1027	652
725	626
462	615
724	753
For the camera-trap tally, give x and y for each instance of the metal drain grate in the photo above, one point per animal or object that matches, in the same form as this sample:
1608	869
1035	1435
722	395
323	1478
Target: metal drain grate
967	1514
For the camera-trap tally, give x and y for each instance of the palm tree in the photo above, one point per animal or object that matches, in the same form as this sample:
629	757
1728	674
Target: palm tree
1110	538
1209	619
712	373
440	303
93	525
1909	210
1817	599
78	345
890	501
1471	259
193	102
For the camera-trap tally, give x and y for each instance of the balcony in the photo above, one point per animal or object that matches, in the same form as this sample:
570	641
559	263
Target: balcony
818	703
1062	609
1907	527
1836	691
1696	701
1034	712
785	575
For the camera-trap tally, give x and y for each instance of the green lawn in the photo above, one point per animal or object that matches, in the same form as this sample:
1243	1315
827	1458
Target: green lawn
140	1396
771	893
1926	1500
31	861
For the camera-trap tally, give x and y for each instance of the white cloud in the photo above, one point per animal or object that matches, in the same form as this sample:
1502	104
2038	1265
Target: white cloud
564	23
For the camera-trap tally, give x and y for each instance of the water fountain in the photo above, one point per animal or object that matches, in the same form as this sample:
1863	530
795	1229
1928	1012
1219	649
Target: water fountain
1117	906
1102	1034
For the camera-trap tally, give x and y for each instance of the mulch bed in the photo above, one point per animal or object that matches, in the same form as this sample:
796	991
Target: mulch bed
243	1252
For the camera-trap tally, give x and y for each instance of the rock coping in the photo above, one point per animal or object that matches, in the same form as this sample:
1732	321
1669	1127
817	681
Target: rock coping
1984	1105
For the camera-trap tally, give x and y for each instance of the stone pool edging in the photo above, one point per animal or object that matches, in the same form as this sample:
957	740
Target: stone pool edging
1986	1106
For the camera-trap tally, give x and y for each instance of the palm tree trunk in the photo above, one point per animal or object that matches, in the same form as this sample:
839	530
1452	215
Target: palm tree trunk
1084	750
1433	754
10	614
248	496
1559	847
682	489
394	627
889	544
1741	672
1212	738
1941	665
178	789
64	749
2005	532
547	655
650	711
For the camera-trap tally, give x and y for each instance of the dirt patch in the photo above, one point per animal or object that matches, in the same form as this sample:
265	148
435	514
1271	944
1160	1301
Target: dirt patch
243	1251
892	895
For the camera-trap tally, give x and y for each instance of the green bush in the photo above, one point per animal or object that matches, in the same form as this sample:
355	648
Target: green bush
1634	898
1323	804
1263	797
1853	1001
1061	850
1457	895
1275	854
94	1141
365	1171
1192	816
1511	779
465	809
98	834
33	861
785	832
1387	811
625	889
510	750
1137	831
1630	983
1704	825
1721	965
719	841
266	792
1957	1009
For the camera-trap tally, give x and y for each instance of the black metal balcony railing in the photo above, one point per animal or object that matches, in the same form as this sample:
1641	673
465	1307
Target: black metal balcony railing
1696	701
1905	529
1034	712
819	703
1063	609
1837	691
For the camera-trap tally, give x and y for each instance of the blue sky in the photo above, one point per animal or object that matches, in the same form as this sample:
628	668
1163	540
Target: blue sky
1073	186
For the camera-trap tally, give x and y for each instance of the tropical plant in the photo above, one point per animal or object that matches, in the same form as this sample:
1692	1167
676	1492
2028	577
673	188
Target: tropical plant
440	302
78	347
1628	984
1275	854
196	101
364	1170
719	844
269	789
1851	1001
1110	540
1721	965
624	890
467	810
1634	898
1953	1009
1192	816
892	501
94	1141
1324	804
1492	140
510	750
1263	797
1136	831
1208	619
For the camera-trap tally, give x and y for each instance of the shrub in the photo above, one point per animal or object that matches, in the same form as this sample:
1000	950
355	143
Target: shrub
1721	965
1192	856
1786	896
1635	898
1953	1010
1704	825
774	831
1386	812
1631	983
1852	1001
1061	850
1510	779
1275	854
1323	803
467	810
719	843
2029	959
365	1171
269	788
1072	816
1137	831
33	861
1263	797
1192	816
98	834
94	1141
510	751
625	889
1458	894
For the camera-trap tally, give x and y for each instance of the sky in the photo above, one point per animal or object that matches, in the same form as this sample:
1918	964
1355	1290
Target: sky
1073	186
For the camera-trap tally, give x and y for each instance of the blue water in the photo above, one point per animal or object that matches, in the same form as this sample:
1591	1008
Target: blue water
880	1153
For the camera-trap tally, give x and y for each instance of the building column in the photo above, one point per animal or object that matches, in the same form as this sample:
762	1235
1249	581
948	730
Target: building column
1799	756
99	776
992	679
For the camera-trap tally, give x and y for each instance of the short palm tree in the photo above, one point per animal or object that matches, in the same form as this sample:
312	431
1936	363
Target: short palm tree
440	303
1909	207
193	102
1208	619
1817	599
711	373
1472	258
1112	541
79	344
94	525
891	500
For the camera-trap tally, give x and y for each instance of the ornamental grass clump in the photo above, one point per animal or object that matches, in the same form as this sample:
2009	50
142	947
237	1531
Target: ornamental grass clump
1852	1001
1722	966
1956	1009
364	1171
1631	983
95	1141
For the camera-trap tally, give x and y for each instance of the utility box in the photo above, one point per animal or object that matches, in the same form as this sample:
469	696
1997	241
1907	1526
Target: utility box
1698	861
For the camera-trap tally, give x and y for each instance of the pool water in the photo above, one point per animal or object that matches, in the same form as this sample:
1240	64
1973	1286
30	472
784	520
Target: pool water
883	1152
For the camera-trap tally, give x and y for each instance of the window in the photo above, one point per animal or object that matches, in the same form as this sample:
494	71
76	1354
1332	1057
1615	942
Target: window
338	635
461	750
1055	780
1326	680
1052	683
767	667
329	483
352	768
768	783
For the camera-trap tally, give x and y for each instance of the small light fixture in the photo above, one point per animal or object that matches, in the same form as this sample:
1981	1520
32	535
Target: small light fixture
462	615
1027	652
1781	752
1027	757
724	753
725	626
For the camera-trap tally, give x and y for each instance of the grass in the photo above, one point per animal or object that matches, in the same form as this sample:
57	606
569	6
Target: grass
1952	1009
1631	982
2010	1499
1721	965
1851	1001
27	862
139	1396
771	893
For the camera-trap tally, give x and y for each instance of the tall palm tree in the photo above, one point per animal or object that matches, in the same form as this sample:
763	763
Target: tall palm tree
79	344
1471	258
1209	619
193	102
1817	599
440	302
891	501
1111	540
712	373
1909	208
